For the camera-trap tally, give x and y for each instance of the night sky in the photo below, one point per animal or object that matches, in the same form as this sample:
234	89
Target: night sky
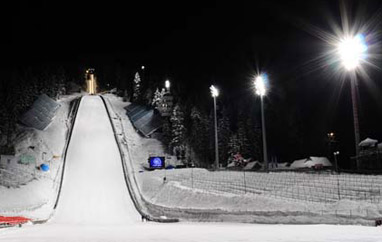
199	43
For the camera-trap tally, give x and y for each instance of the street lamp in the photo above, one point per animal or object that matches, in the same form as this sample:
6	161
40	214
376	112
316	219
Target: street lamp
352	51
167	85
261	91
142	67
215	93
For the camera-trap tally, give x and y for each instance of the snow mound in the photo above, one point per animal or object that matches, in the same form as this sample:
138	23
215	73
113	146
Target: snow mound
311	162
253	165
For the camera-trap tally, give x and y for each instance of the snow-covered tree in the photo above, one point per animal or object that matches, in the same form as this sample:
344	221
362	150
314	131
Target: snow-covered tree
199	135
247	138
178	129
234	145
224	133
242	136
137	87
254	144
157	98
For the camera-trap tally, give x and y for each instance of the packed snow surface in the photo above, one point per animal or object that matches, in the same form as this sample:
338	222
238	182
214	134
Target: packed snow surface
95	205
94	189
191	232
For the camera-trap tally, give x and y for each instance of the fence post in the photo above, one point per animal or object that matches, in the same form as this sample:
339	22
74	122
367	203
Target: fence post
245	184
192	177
338	186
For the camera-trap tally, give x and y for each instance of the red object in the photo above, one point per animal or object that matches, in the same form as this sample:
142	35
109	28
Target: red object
13	220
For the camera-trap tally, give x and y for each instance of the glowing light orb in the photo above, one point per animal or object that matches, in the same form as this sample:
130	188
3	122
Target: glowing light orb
167	84
214	91
352	51
260	85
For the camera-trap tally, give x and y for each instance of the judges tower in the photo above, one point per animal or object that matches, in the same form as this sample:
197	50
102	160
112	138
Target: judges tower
91	82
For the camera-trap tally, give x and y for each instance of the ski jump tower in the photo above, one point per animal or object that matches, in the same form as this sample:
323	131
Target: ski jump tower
91	82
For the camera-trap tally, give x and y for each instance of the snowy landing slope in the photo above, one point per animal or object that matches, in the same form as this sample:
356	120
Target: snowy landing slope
94	190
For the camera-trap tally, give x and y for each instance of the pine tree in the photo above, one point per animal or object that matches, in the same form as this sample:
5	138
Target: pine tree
166	132
242	134
199	136
254	145
178	130
224	133
233	145
137	88
248	137
157	98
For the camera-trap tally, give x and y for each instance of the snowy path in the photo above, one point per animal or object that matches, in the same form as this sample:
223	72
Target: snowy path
94	190
95	204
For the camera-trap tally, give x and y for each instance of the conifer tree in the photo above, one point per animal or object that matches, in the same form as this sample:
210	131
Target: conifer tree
137	88
157	98
178	130
198	136
224	133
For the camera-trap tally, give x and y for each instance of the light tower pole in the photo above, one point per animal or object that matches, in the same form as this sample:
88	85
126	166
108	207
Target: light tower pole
215	93
352	50
261	90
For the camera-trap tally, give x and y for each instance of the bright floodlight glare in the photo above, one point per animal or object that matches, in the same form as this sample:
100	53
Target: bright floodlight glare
260	85
167	84
352	50
142	67
214	91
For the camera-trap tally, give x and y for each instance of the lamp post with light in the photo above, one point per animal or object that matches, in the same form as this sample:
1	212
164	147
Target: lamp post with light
167	84
261	90
352	51
215	93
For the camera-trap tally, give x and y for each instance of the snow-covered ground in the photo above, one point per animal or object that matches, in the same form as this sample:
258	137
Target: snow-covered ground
191	232
94	189
36	198
290	197
95	205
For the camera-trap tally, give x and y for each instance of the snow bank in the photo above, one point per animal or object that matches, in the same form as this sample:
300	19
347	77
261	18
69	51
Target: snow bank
279	197
253	165
36	198
311	162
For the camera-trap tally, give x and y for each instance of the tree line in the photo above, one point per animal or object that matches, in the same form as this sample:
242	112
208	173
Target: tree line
188	132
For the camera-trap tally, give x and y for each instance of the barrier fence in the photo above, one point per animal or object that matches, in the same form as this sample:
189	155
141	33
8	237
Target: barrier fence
323	187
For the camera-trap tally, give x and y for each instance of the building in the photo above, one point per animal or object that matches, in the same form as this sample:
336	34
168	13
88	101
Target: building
91	82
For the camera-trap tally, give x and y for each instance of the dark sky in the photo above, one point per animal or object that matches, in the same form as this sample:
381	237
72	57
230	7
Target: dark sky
197	43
